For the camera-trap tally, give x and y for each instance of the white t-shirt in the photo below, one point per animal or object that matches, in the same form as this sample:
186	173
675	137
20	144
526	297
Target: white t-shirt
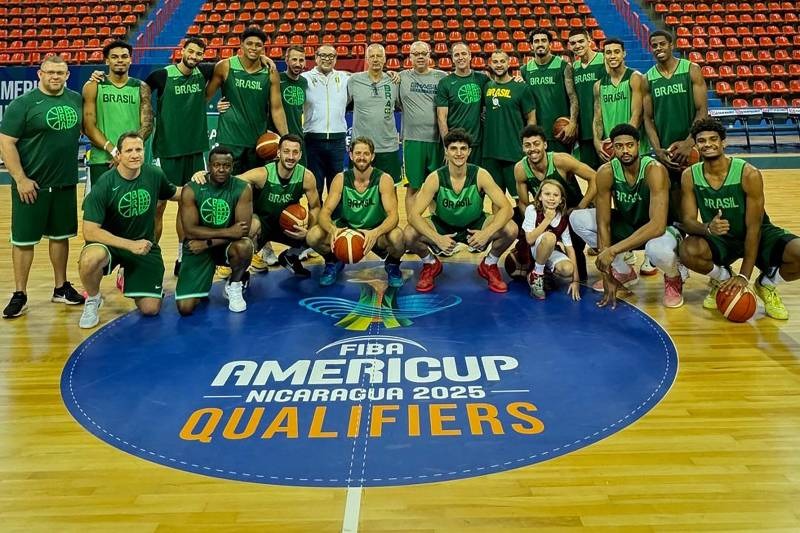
529	224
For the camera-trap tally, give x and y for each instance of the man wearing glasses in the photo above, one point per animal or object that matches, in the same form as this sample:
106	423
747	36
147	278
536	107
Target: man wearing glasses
324	126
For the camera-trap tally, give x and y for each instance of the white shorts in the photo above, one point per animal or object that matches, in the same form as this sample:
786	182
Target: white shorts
556	257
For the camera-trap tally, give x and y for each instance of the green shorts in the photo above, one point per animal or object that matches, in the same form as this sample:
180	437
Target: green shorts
621	229
179	170
503	174
588	155
271	232
144	274
389	162
420	158
461	233
726	250
197	271
54	215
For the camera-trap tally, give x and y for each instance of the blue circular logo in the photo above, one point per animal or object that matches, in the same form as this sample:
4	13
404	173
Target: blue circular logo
364	385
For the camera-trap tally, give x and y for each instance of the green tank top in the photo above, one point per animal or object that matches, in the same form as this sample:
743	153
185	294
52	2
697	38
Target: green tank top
574	194
248	116
117	111
549	91
585	76
362	210
181	127
217	203
673	102
616	101
278	193
462	209
632	201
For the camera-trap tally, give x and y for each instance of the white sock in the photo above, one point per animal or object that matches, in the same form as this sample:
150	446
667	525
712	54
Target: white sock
718	273
771	281
491	259
428	259
538	268
620	265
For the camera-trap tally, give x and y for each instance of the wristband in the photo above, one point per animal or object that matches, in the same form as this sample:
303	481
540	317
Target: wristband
114	152
708	228
747	279
105	145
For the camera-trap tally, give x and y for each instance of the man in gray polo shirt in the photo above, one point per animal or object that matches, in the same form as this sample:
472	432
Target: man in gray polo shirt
374	97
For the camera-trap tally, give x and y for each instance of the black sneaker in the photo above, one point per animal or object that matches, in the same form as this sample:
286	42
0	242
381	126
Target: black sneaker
292	263
177	269
17	305
66	294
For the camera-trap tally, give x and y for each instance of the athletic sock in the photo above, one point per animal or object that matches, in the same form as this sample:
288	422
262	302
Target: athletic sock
620	265
771	281
719	273
538	268
428	259
490	259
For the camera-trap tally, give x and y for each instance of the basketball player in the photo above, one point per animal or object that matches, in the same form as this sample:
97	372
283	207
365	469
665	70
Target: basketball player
458	190
508	108
588	67
39	146
729	193
422	146
280	183
459	99
216	218
640	188
539	165
119	229
293	92
113	106
367	202
375	97
551	81
253	89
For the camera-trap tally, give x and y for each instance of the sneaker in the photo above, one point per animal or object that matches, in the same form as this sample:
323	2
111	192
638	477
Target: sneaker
710	301
268	254
536	283
393	274
673	291
66	294
492	274
647	268
627	280
630	258
428	274
120	281
307	254
177	268
236	301
91	316
292	263
17	305
223	272
773	304
330	273
257	264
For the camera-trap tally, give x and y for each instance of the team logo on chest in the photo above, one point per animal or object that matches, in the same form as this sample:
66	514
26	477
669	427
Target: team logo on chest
134	203
61	117
215	212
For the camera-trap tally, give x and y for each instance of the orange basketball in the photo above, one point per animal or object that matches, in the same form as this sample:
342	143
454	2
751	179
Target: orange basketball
608	147
559	125
293	215
349	246
739	307
694	156
267	145
514	268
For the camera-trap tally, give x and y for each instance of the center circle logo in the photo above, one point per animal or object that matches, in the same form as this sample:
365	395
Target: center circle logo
134	203
215	212
293	95
469	93
62	117
361	384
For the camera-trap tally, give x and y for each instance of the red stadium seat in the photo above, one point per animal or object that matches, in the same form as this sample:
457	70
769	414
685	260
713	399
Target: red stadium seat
778	102
778	87
723	89
742	88
742	71
761	87
759	102
739	103
760	71
709	73
726	72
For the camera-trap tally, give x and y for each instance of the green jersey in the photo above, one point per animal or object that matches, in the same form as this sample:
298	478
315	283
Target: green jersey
293	96
181	127
463	98
248	116
463	208
574	194
615	102
673	102
506	112
117	111
217	203
47	128
584	77
362	210
278	193
127	208
549	91
632	201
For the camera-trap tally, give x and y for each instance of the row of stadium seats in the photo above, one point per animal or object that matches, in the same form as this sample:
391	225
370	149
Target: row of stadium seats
138	7
775	71
350	4
759	88
53	24
731	8
406	13
762	102
733	58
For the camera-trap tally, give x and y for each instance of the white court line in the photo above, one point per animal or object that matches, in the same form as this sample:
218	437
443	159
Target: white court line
234	396
513	390
352	508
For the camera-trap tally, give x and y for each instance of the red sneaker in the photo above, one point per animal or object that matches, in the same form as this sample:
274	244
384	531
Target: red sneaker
492	274
428	274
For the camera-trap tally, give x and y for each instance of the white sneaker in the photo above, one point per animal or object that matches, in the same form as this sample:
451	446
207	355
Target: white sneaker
236	301
268	255
90	316
647	268
306	254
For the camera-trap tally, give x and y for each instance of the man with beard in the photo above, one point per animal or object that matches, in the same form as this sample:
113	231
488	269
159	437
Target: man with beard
281	183
588	67
374	97
640	188
367	202
113	106
551	81
293	92
459	100
216	218
508	108
729	193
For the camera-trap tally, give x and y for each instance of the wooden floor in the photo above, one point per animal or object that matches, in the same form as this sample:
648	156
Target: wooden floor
721	452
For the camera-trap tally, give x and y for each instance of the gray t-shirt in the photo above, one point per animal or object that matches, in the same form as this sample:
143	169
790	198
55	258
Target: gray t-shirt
417	93
373	110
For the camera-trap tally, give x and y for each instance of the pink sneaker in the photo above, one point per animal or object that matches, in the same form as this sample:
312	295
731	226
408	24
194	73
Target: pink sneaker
673	291
627	280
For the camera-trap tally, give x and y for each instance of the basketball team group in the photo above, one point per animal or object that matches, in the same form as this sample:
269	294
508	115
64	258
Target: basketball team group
655	172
